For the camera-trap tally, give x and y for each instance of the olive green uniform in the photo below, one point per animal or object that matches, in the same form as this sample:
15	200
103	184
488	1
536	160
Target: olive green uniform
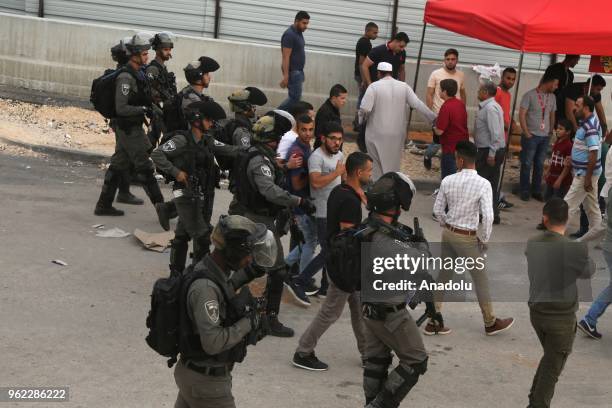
554	263
208	383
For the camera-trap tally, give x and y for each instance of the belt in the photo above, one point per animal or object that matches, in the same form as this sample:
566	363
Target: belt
210	371
460	231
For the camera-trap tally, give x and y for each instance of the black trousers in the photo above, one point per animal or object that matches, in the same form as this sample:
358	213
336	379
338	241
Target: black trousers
491	173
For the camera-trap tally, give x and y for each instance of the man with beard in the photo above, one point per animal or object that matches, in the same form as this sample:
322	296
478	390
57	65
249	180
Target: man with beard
434	99
163	83
343	211
325	171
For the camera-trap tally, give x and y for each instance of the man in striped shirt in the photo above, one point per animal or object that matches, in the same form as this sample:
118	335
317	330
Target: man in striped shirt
586	165
462	198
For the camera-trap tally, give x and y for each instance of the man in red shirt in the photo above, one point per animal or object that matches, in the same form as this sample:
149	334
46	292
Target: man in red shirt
451	125
503	98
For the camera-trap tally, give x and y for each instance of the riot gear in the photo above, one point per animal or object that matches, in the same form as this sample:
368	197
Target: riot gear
243	101
137	44
195	69
392	191
162	40
271	127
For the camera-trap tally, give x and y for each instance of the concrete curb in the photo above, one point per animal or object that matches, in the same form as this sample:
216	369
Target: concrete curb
60	152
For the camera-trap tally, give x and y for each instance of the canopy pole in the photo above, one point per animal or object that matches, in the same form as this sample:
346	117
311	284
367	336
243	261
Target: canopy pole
590	85
416	73
516	92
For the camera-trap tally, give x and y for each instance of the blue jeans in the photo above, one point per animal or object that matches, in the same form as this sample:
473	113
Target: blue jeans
432	149
318	261
304	253
533	153
448	165
604	299
294	87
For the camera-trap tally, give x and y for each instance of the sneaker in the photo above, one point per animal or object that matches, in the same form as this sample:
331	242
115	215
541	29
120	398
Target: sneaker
525	196
496	220
538	196
112	211
427	162
129	198
504	205
541	227
277	329
433	217
298	292
311	289
309	362
499	326
162	216
433	329
588	330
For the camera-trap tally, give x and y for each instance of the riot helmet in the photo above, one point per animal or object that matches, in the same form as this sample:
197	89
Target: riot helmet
271	127
237	237
243	100
162	40
138	43
195	69
392	191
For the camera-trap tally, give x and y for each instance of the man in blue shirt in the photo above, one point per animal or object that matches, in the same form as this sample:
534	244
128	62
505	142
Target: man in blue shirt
586	165
294	59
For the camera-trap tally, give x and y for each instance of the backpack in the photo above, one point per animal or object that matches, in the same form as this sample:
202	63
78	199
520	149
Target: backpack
343	257
174	117
102	95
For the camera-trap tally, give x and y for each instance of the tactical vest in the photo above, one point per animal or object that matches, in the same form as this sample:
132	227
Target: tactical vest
198	160
190	346
166	80
242	188
142	97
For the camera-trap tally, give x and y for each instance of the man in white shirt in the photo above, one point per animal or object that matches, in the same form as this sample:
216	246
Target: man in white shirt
462	199
385	106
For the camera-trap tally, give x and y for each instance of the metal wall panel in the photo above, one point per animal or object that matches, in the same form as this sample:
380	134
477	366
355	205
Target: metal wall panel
335	26
12	6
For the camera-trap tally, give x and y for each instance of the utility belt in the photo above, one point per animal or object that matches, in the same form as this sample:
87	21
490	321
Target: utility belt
219	371
375	311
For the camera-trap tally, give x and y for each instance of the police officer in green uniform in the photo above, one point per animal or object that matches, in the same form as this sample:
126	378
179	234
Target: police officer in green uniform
388	324
243	104
163	83
119	55
132	102
259	195
188	159
217	324
198	76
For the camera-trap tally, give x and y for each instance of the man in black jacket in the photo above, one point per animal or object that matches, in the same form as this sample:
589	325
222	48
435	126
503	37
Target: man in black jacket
329	111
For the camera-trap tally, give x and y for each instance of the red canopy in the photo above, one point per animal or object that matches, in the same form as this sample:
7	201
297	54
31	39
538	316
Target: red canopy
550	26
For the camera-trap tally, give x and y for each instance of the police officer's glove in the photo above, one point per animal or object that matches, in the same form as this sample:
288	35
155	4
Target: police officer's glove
307	206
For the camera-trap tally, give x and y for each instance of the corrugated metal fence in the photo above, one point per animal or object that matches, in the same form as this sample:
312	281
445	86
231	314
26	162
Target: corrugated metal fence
335	25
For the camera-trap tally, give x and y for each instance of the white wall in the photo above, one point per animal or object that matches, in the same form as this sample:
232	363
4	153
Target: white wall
64	57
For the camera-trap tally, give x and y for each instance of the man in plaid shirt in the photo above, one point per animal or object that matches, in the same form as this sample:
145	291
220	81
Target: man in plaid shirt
462	198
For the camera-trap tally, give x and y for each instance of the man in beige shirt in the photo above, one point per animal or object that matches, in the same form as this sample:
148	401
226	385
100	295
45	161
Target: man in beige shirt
434	94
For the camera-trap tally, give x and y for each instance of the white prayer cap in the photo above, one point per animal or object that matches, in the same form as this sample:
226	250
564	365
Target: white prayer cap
384	67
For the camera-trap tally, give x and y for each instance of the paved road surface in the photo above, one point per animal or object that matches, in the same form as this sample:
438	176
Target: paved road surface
82	325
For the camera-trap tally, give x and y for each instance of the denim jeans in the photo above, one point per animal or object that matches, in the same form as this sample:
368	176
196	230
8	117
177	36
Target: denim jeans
318	261
604	299
448	165
432	149
533	153
304	253
294	87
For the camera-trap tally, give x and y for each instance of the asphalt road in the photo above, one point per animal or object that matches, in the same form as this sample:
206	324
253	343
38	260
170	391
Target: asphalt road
83	325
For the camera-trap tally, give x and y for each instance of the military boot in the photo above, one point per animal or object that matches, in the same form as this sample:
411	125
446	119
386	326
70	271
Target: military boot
162	215
104	206
398	385
178	255
129	198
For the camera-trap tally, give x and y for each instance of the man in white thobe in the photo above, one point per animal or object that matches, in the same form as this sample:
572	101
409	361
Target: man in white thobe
385	106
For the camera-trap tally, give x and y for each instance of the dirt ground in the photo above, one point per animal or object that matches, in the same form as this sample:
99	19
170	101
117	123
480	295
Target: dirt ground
78	128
